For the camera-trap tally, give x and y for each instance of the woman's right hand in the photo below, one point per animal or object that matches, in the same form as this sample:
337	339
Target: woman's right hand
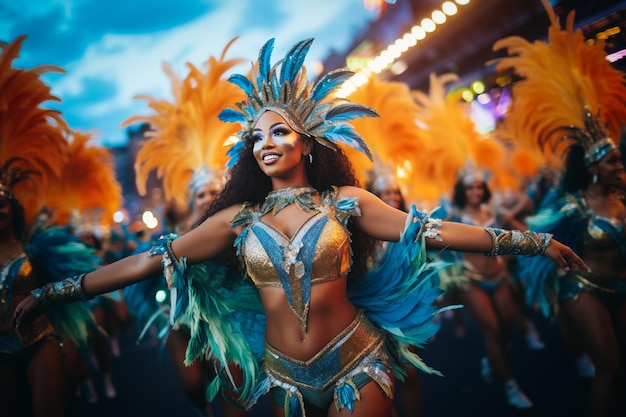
24	314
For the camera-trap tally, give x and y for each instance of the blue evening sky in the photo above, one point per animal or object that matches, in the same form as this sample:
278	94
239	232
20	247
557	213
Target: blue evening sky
113	50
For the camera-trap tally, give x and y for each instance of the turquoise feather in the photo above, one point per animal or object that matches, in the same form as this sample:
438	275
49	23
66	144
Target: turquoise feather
293	61
309	106
56	254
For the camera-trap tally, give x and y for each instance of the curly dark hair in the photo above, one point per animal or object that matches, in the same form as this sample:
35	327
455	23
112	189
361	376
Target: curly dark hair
18	219
576	175
330	167
459	198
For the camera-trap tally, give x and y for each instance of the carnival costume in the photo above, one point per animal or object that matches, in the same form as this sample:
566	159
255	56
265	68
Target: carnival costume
185	148
569	95
269	261
33	155
224	311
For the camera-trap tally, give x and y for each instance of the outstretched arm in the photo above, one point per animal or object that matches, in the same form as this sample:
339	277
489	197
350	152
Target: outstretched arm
383	222
209	239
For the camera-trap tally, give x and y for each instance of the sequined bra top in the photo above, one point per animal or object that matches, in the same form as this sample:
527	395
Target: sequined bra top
318	252
601	233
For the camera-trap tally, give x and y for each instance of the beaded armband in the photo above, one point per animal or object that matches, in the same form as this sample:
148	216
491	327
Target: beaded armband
515	242
432	229
65	291
163	247
429	227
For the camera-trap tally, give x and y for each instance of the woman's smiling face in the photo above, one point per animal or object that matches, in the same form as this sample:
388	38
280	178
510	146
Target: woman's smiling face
278	149
610	169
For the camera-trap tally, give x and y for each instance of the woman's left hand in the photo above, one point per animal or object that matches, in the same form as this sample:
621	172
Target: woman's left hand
24	314
565	257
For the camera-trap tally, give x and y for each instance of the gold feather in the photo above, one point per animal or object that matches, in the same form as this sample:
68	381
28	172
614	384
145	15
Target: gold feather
87	187
560	77
393	137
27	130
453	141
186	133
427	137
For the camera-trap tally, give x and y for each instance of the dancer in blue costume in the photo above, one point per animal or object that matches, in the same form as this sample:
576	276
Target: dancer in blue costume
185	148
570	102
486	288
301	228
34	378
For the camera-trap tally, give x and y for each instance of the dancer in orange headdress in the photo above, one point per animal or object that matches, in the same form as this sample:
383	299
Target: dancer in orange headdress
185	146
571	102
33	153
316	329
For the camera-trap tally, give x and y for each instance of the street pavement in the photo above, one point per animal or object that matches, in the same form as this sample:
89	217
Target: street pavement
147	385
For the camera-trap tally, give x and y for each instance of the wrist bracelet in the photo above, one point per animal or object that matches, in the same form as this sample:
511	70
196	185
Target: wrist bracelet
65	291
515	242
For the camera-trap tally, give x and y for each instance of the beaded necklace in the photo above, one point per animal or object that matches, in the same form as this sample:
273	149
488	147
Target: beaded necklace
277	200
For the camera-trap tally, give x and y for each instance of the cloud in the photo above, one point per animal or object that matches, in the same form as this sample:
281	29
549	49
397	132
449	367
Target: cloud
114	50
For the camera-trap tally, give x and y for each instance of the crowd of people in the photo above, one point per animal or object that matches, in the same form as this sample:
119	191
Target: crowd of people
294	273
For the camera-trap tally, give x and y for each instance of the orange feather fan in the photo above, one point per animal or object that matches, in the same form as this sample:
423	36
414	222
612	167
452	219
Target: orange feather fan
428	138
560	77
392	138
30	135
452	140
186	133
88	187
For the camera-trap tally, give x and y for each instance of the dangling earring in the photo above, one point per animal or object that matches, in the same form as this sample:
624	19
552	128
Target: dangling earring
310	158
595	178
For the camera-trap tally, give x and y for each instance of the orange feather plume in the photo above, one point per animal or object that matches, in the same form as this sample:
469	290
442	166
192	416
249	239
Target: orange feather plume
560	77
453	142
186	133
88	193
28	131
392	138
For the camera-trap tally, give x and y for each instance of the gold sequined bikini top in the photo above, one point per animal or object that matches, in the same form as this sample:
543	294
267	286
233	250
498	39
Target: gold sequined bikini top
601	233
318	252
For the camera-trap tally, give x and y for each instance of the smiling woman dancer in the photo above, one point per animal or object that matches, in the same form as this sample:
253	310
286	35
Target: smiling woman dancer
301	226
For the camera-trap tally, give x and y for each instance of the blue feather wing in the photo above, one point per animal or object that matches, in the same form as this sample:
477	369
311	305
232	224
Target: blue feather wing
398	295
539	273
55	254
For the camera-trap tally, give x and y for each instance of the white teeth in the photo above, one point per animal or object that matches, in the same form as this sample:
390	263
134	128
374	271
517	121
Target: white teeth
268	158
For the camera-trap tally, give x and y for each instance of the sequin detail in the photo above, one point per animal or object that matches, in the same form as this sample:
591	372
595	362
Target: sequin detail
358	349
318	252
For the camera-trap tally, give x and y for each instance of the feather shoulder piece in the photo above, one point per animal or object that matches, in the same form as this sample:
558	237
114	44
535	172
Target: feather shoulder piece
186	134
32	145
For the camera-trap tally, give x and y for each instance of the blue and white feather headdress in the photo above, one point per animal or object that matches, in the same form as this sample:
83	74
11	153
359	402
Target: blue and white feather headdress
309	108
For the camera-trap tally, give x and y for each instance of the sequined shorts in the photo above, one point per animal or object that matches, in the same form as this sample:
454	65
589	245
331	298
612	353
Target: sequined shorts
573	284
353	358
488	286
